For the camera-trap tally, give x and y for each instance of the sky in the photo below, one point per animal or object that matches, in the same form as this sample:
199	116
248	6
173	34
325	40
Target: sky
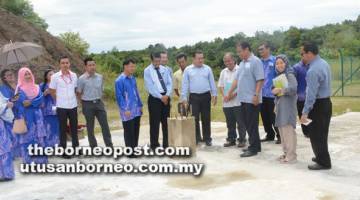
135	24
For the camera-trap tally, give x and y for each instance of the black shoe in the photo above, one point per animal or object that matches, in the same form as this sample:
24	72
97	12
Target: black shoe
248	154
267	139
318	167
314	159
278	141
229	143
246	149
208	143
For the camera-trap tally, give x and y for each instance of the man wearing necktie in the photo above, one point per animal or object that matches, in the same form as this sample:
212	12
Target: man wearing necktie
159	86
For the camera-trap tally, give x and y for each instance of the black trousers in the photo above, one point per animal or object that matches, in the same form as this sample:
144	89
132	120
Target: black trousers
319	130
250	116
131	132
158	113
300	107
63	115
201	106
92	109
268	118
232	116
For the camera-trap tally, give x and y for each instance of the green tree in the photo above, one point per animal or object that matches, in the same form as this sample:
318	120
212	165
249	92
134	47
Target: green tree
75	43
24	9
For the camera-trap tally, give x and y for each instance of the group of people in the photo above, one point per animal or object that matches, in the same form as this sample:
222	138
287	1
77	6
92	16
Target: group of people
23	99
45	110
247	90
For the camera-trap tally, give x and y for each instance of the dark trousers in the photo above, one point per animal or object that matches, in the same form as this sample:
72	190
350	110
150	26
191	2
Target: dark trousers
300	107
268	118
158	113
232	116
92	109
63	116
319	130
250	116
131	132
201	106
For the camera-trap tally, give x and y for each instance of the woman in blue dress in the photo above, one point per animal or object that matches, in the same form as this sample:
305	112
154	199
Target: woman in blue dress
6	157
28	107
51	121
7	89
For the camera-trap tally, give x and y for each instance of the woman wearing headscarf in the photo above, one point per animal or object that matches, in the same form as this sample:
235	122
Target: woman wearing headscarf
51	121
7	89
6	156
285	109
28	108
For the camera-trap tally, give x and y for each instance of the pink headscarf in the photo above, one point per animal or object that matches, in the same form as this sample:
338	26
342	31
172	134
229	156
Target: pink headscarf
30	88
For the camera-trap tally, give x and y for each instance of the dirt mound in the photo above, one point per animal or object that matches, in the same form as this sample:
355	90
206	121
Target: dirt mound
14	28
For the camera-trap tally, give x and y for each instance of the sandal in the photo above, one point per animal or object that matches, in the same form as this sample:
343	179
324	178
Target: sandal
282	157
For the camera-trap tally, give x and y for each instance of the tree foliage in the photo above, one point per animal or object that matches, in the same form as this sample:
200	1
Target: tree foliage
74	42
24	9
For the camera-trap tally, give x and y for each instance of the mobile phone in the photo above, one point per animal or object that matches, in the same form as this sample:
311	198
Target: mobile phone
15	97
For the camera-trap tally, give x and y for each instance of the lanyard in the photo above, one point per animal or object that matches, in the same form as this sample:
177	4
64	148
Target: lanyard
62	76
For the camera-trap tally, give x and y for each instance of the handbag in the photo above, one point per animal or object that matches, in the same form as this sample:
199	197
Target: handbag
19	126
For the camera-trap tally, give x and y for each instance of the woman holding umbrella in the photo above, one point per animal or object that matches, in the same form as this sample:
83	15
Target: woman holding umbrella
28	107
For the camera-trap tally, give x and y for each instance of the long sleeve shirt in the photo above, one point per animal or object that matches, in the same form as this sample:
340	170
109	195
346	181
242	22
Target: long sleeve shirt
269	75
127	97
318	80
198	80
300	70
152	82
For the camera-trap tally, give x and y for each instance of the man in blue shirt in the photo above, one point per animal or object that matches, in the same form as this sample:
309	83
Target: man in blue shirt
250	78
198	80
318	106
129	102
267	106
300	70
159	86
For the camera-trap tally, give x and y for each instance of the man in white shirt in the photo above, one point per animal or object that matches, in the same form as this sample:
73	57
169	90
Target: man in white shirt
63	87
231	105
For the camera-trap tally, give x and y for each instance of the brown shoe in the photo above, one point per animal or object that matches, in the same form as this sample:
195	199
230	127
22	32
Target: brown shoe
229	143
241	144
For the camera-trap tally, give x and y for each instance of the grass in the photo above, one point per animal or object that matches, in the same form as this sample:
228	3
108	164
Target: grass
340	105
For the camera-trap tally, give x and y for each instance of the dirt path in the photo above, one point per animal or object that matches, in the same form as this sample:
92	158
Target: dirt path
226	175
